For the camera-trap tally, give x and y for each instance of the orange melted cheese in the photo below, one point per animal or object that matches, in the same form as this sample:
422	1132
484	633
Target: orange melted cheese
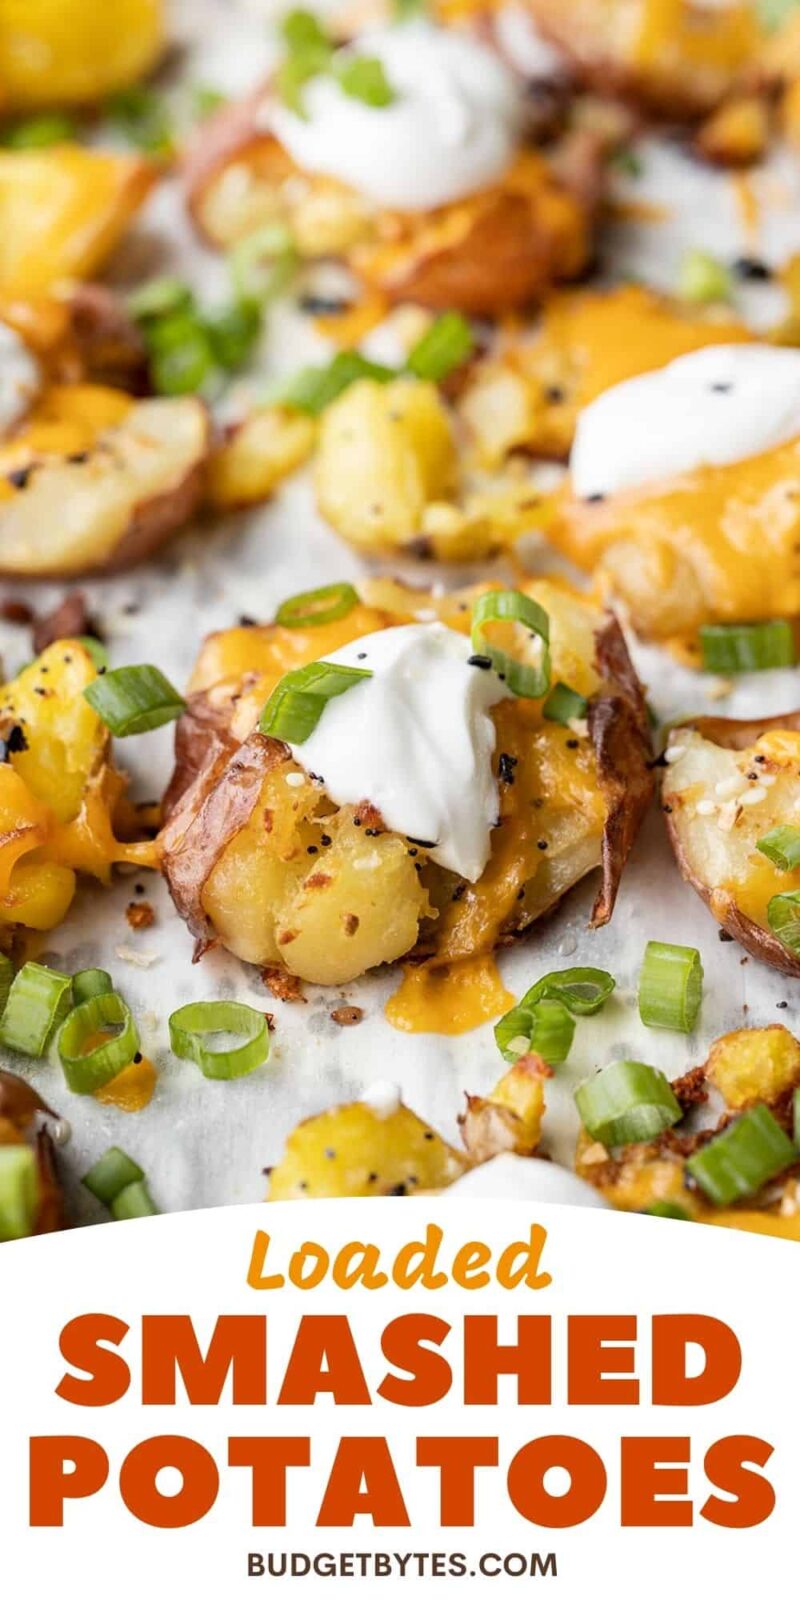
685	33
753	891
132	1089
449	1000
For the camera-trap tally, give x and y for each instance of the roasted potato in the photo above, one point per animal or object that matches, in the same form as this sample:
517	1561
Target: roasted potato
256	454
94	481
378	1146
60	796
23	1129
496	250
528	396
726	786
63	211
749	1068
53	54
242	816
677	58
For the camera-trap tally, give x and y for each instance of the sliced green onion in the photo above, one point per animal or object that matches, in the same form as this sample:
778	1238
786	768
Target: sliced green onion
703	279
626	1103
6	980
89	983
95	649
190	1027
581	990
88	1069
263	263
364	78
134	700
233	332
740	1160
181	355
772	14
314	388
627	161
783	916
161	297
446	345
206	100
38	133
315	607
747	647
508	605
552	1031
670	986
19	1191
37	1001
296	705
111	1174
667	1208
132	1202
302	30
141	116
309	52
564	705
782	847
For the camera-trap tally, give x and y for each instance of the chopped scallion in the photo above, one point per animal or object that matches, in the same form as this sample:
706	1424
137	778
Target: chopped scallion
508	606
626	1103
19	1191
37	1000
364	78
564	705
39	133
447	343
132	1202
315	607
783	916
747	647
91	1053
190	1027
703	279
314	388
670	986
134	700
782	847
233	332
297	703
111	1174
90	982
582	990
263	263
161	297
552	1031
741	1159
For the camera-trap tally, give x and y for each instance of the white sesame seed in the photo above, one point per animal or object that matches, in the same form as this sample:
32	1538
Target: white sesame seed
728	787
754	796
579	726
767	779
295	780
729	815
705	808
674	753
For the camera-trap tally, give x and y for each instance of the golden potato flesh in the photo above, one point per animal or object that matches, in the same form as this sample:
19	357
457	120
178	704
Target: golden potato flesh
754	1064
385	451
257	455
720	799
259	857
679	57
529	396
101	480
63	211
356	1150
57	54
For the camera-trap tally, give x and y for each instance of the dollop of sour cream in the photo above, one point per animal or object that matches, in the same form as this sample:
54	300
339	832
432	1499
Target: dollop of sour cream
20	377
510	1177
416	740
711	408
451	129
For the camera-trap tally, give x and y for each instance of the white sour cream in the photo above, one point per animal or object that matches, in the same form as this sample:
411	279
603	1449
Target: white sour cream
20	378
524	47
451	129
416	739
713	407
510	1177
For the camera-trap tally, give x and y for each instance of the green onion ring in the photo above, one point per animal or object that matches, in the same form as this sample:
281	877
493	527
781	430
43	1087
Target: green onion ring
314	607
783	916
19	1191
134	699
670	986
37	1001
111	1174
133	1201
508	605
86	1071
626	1103
189	1026
295	706
88	983
747	646
741	1159
781	846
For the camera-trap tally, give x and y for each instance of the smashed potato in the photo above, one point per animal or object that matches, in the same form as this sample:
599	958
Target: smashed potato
94	481
679	58
63	211
259	858
754	1064
53	54
257	454
528	396
727	785
60	796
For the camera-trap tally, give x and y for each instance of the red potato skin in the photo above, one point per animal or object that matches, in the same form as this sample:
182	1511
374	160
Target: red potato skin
19	1106
216	784
758	942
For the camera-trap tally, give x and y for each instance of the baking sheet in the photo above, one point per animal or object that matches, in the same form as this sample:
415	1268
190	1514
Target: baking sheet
205	1143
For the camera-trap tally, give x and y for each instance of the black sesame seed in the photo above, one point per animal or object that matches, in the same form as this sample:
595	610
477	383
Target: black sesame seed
428	1135
79	458
325	839
541	844
138	1056
782	1005
330	1154
595	499
247	622
311	850
323	305
484	662
459	891
505	768
16	740
721	388
20	477
572	744
413	852
555	395
362	655
752	270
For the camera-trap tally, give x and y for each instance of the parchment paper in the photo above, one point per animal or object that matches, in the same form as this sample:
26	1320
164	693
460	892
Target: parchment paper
206	1144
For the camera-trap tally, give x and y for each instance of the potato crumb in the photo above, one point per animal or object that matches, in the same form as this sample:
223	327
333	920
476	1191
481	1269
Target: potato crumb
140	914
347	1016
283	985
